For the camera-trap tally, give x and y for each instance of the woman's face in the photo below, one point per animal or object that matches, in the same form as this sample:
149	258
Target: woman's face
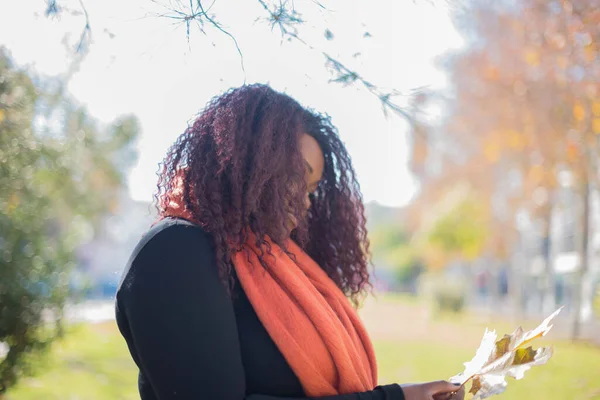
315	164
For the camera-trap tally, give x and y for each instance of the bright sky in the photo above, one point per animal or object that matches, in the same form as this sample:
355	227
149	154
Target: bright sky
149	69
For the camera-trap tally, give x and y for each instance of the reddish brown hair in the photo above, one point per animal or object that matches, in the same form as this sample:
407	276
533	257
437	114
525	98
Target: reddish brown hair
241	164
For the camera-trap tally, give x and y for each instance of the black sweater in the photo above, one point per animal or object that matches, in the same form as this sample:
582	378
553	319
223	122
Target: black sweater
189	337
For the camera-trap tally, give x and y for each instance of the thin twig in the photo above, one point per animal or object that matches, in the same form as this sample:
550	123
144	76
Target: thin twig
347	76
220	28
52	8
198	13
87	30
318	3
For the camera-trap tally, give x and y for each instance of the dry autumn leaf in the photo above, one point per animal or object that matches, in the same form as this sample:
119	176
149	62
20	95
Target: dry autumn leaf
509	356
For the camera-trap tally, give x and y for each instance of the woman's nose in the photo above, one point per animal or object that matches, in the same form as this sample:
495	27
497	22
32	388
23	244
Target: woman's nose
307	201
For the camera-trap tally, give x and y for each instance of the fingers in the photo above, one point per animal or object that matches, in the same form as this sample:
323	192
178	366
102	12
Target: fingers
458	395
445	396
439	387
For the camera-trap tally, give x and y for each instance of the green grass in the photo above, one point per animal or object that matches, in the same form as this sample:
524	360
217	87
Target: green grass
93	362
572	374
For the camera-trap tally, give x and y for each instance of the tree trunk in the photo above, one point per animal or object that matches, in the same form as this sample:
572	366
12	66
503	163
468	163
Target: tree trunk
517	265
582	271
548	279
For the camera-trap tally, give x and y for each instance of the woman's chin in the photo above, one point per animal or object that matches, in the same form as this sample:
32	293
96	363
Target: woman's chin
292	222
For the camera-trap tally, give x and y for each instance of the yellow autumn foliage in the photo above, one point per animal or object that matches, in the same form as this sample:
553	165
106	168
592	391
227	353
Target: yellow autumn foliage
491	151
532	57
516	140
578	112
596	108
596	126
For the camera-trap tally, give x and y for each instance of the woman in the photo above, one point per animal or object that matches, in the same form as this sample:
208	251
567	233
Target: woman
241	290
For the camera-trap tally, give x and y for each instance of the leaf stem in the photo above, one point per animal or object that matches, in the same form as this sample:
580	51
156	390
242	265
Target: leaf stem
465	382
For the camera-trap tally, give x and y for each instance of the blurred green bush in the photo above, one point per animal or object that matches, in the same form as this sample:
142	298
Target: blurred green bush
60	172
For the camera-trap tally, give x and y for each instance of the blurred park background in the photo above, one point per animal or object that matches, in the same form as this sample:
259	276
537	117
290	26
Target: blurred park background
474	127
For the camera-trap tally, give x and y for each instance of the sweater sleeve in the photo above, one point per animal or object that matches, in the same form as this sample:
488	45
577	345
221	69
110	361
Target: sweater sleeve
179	322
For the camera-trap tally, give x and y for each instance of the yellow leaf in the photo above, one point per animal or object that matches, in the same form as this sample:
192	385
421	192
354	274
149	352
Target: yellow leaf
590	52
596	126
475	385
536	173
578	112
541	331
491	152
596	108
532	57
515	140
524	356
2	115
508	357
572	152
502	345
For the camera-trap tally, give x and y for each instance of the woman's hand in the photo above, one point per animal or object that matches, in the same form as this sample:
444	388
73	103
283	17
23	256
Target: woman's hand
439	390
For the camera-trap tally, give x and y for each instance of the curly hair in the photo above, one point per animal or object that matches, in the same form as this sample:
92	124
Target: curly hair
242	169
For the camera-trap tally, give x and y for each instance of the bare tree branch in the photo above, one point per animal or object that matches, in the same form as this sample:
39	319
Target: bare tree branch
281	14
54	9
86	35
220	28
195	11
347	76
286	20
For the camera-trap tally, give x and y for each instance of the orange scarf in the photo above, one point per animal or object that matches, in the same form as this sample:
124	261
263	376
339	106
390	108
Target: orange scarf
308	317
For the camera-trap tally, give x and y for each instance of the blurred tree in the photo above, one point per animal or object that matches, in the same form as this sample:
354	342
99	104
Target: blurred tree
457	230
523	109
392	249
59	172
386	237
460	231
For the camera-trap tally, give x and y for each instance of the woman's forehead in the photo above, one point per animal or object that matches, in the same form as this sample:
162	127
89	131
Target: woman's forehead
312	153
